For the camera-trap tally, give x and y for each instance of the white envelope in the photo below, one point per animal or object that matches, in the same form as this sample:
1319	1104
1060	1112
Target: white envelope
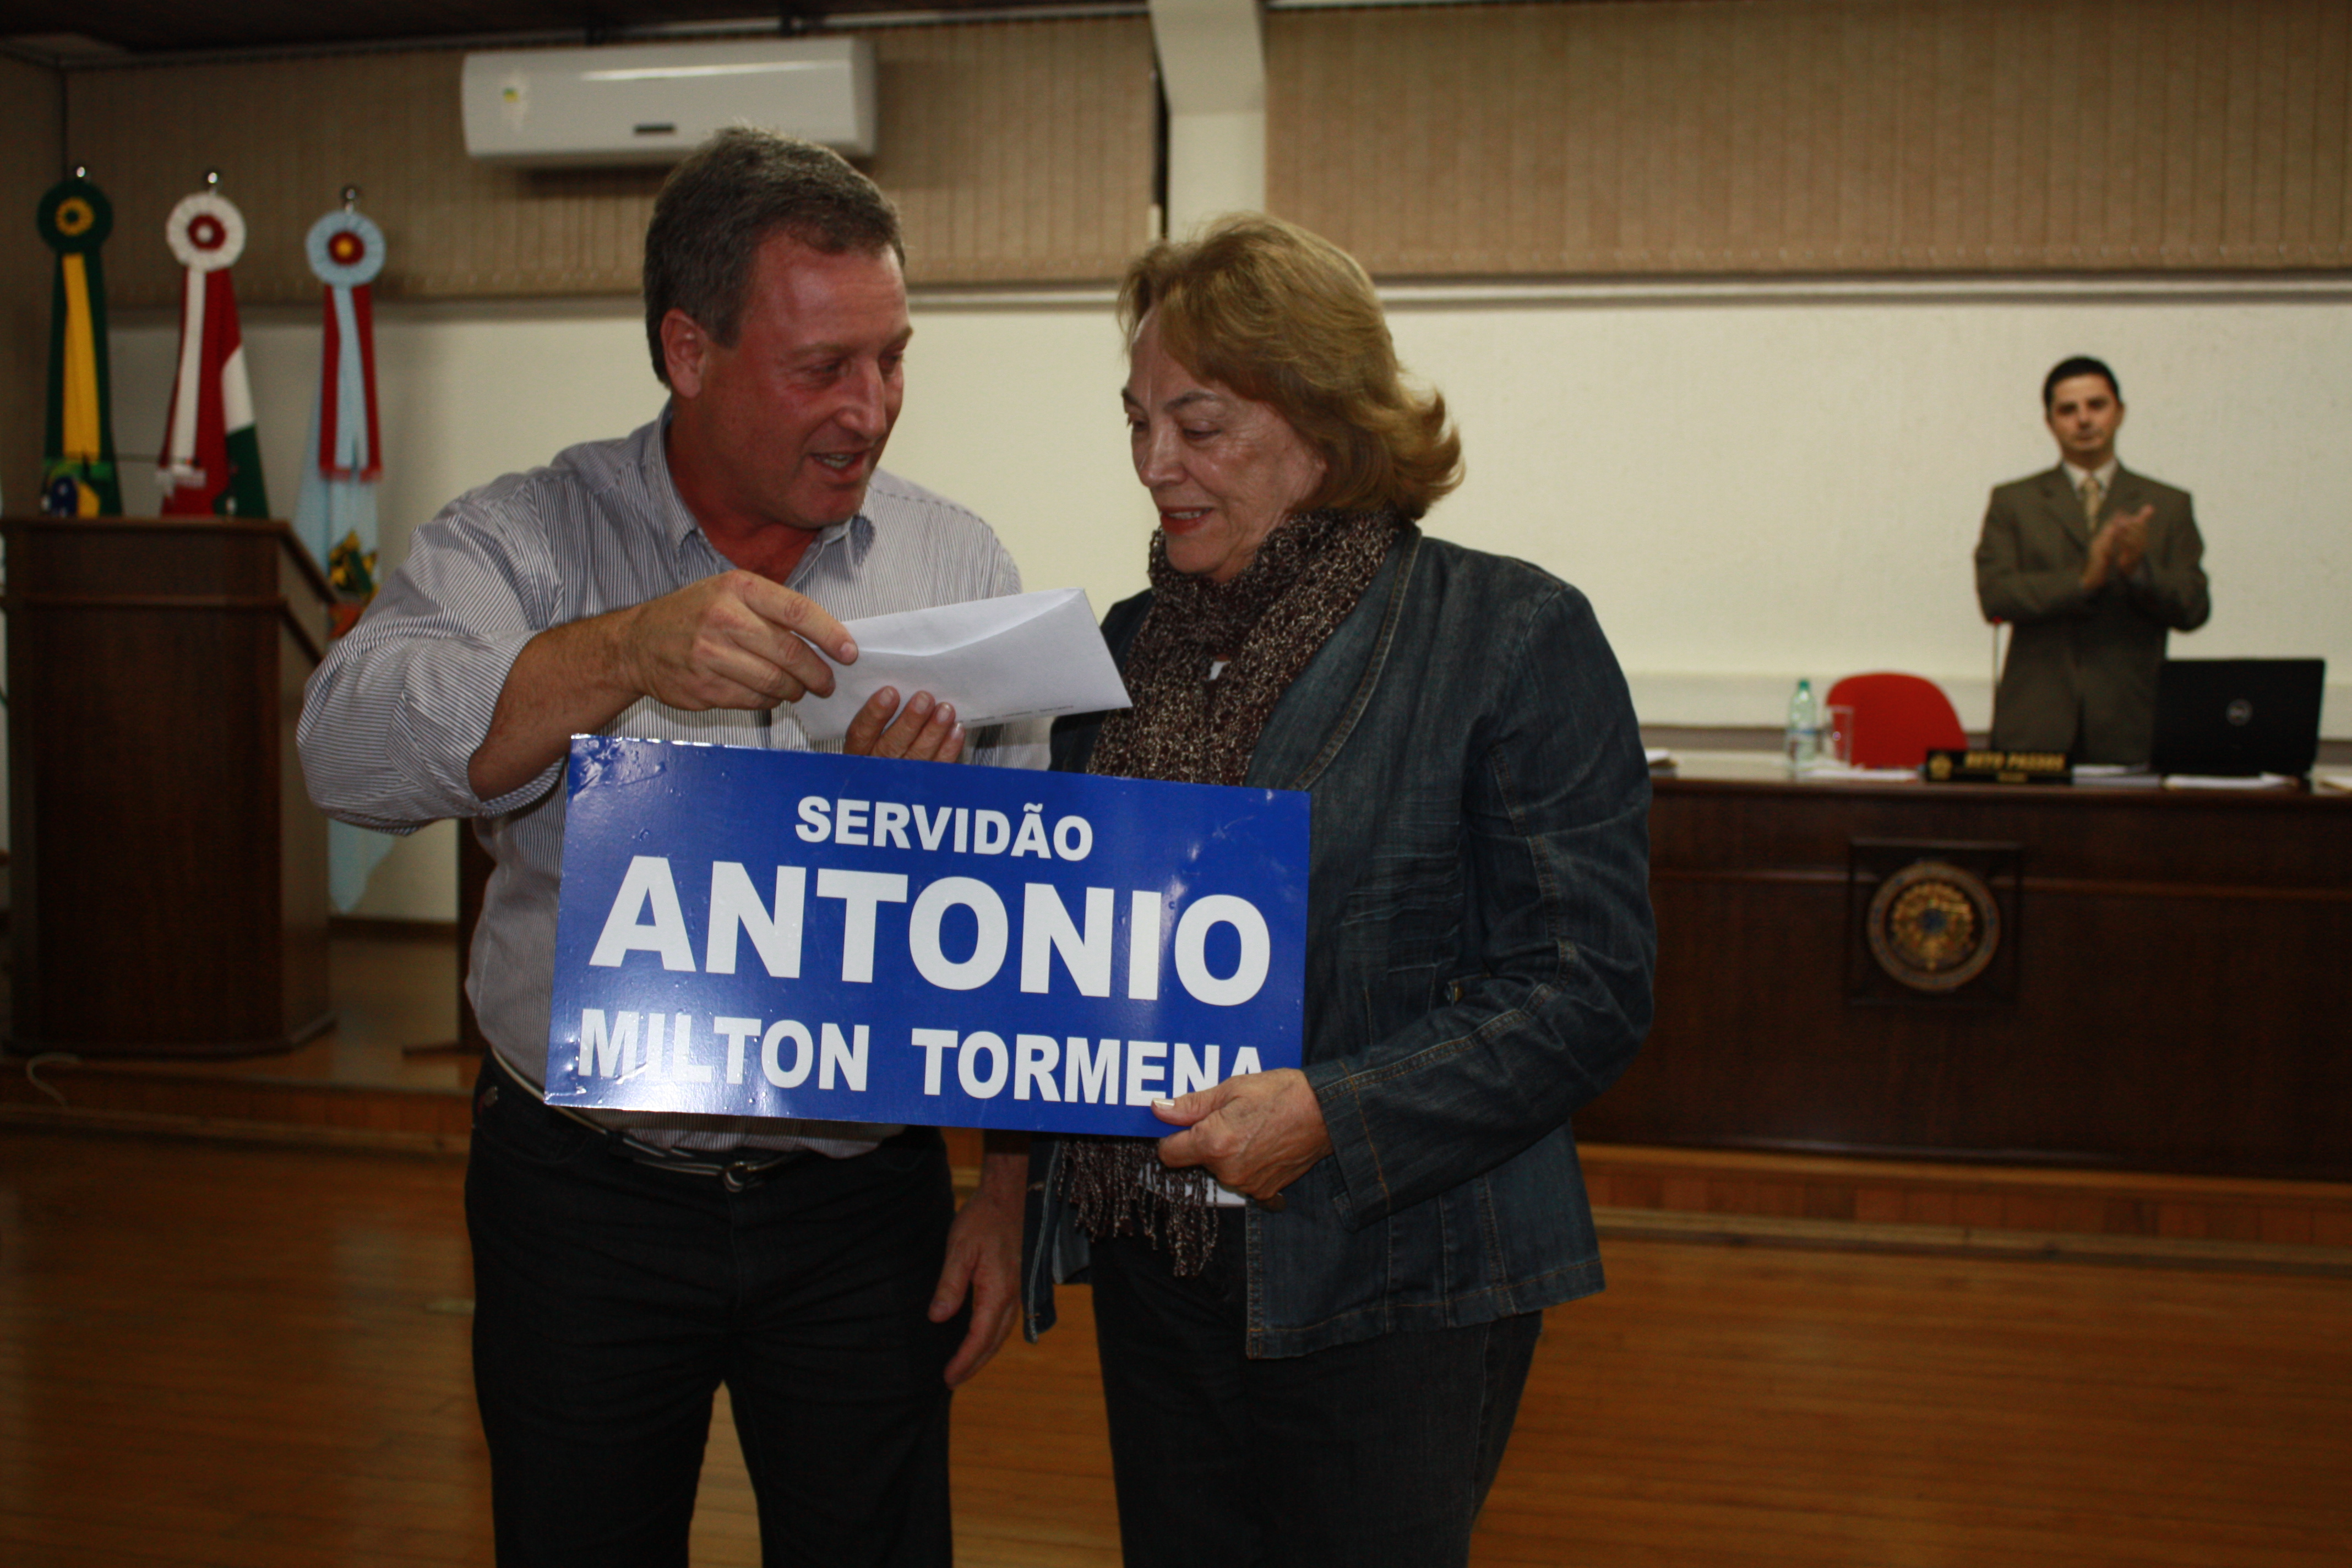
1033	656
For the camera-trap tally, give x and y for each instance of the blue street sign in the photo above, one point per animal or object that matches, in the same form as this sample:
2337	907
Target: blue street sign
748	932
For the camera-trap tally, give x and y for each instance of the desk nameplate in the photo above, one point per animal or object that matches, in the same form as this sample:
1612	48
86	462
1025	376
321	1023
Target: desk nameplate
1979	765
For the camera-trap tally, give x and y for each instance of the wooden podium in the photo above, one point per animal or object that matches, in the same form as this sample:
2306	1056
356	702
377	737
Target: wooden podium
168	871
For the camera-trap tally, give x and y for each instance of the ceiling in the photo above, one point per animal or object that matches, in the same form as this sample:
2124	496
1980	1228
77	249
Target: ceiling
34	27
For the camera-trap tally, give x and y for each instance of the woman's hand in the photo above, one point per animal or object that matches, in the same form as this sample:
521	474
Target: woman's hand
1256	1134
924	731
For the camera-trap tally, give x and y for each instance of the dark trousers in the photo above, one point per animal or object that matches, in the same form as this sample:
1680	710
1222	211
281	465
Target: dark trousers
613	1299
1371	1455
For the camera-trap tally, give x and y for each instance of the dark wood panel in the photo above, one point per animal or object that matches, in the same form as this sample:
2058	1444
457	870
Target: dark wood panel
170	873
2178	996
2211	840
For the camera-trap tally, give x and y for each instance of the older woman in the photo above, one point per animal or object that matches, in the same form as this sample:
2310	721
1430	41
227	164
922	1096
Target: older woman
1316	1303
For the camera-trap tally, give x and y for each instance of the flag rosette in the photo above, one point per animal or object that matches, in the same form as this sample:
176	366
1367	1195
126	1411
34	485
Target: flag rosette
346	250
205	232
75	217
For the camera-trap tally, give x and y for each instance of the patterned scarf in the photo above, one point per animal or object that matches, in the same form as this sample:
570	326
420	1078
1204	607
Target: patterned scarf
1190	727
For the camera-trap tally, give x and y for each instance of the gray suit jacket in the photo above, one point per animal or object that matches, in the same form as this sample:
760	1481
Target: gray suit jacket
2081	672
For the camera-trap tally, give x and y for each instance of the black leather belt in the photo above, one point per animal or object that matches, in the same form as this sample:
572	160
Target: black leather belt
736	1168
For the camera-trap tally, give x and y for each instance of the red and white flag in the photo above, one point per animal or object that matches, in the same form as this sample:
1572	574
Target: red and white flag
212	457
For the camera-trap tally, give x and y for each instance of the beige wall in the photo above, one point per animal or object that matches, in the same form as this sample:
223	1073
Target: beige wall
1750	485
1818	136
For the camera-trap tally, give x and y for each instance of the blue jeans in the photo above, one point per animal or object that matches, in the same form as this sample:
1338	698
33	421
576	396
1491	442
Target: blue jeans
612	1300
1375	1454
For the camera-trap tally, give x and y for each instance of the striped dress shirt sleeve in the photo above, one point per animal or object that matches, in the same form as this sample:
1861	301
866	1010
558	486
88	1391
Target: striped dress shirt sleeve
392	719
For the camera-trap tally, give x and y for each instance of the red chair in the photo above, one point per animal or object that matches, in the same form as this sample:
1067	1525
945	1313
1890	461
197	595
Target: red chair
1897	719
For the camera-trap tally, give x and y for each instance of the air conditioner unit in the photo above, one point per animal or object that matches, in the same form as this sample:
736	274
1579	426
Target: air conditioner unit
655	104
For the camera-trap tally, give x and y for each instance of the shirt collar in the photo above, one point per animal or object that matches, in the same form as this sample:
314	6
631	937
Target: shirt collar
855	536
678	522
2105	474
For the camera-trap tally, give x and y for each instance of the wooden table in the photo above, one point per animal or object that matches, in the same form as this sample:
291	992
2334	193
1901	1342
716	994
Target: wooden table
2169	986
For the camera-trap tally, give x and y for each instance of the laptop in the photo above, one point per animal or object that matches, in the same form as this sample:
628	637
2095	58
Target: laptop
2238	716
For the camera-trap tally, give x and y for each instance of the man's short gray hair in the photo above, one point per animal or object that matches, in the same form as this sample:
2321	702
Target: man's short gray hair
738	190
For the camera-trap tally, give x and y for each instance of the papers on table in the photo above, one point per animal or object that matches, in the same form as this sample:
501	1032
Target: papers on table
1846	773
2211	781
1032	656
2116	776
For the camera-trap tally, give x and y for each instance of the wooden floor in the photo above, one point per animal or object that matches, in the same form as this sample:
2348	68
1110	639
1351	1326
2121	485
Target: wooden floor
256	1355
249	1347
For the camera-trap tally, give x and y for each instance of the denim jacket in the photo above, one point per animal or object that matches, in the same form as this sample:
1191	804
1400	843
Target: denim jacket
1479	954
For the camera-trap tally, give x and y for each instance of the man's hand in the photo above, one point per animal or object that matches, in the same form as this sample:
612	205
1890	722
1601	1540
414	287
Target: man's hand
735	640
924	731
983	1258
2117	548
1256	1134
2130	531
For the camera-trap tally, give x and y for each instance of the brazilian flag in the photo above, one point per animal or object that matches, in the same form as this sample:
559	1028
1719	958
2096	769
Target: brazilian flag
78	477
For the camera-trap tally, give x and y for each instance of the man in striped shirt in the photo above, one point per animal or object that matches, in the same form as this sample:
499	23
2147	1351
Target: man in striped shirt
680	584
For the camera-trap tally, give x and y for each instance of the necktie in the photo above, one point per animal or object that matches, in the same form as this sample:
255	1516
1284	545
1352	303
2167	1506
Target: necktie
2092	495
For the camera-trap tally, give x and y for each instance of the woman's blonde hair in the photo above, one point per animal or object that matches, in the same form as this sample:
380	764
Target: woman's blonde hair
1286	318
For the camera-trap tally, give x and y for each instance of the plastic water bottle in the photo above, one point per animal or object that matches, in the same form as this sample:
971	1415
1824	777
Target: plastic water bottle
1802	739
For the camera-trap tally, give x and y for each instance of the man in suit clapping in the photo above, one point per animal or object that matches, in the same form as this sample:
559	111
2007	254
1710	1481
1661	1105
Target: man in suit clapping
2094	566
